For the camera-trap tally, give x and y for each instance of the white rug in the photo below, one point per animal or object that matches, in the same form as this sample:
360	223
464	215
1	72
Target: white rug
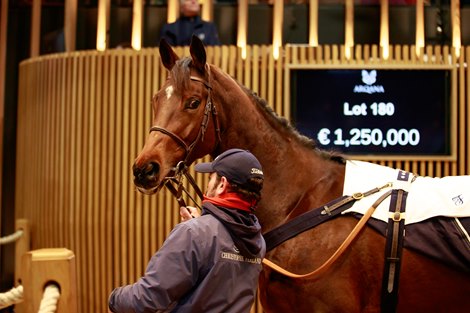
428	196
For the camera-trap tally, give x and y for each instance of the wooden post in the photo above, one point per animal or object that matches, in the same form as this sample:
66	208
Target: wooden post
23	245
44	266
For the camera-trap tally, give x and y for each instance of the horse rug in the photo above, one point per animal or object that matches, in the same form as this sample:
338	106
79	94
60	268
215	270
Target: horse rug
437	217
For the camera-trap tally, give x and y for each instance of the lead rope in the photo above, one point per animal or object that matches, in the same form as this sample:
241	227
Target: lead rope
180	170
356	230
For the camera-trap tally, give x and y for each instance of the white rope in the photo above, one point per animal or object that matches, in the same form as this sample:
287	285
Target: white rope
11	238
49	299
14	296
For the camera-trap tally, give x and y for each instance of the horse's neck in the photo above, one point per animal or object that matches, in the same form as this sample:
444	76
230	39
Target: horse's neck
297	180
296	177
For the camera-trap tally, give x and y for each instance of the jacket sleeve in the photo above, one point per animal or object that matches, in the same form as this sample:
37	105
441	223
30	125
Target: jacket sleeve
170	274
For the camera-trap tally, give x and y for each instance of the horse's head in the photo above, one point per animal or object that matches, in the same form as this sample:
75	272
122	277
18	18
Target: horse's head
185	124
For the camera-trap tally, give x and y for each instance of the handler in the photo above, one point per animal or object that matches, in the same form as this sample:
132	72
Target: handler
210	263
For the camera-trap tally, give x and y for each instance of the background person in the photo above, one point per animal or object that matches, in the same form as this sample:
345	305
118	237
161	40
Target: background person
180	32
210	263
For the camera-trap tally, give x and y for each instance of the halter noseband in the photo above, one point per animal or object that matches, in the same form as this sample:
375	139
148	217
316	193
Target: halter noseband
182	168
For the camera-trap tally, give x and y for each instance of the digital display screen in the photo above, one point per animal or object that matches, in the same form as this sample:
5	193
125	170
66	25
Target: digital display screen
374	111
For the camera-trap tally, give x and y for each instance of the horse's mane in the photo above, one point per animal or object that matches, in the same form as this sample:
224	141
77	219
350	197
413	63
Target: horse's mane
181	73
285	123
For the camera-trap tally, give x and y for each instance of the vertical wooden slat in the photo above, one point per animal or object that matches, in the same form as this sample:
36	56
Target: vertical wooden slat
217	55
384	29
137	16
349	28
96	159
271	78
256	69
131	133
242	25
278	15
44	153
207	9
65	148
72	190
104	264
126	245
419	41
232	66
467	106
70	24
454	113
313	23
455	21
3	53
24	73
81	180
112	264
173	11
239	66
35	41
119	268
60	129
87	182
102	25
279	87
224	62
264	72
303	55
247	68
49	168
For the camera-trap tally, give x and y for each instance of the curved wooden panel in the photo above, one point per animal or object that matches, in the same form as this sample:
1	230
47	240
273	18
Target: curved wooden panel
84	116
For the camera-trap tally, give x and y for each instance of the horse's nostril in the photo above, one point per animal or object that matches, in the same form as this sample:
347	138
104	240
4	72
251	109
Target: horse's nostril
148	172
151	169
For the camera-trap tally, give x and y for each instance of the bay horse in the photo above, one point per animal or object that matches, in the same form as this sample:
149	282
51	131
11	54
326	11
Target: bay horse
200	110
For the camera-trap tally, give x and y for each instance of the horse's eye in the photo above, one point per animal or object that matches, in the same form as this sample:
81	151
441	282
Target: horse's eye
192	104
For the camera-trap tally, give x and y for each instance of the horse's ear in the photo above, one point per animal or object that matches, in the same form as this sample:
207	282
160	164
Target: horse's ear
198	53
167	55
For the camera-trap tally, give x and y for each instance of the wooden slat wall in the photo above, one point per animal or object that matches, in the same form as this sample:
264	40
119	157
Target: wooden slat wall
84	116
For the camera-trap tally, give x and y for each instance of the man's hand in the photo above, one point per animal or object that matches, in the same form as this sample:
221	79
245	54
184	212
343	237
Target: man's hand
188	213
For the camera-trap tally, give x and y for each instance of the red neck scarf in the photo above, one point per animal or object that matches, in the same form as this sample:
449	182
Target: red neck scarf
231	201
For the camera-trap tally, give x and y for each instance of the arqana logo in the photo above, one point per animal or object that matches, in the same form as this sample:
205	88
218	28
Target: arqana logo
369	78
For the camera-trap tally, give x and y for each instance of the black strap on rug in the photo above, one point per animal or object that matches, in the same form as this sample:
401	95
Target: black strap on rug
394	247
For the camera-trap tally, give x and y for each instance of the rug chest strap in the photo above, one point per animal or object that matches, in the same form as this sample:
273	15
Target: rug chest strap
393	248
313	218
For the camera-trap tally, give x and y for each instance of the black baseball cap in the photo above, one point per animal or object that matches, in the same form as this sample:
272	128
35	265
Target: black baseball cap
236	164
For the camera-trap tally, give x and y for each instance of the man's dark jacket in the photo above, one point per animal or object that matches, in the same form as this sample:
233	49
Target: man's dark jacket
208	264
180	32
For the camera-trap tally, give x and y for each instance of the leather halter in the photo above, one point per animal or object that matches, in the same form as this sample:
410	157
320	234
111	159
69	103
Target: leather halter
182	167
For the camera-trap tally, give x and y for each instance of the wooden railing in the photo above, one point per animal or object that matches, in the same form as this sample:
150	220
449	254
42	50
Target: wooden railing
83	117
